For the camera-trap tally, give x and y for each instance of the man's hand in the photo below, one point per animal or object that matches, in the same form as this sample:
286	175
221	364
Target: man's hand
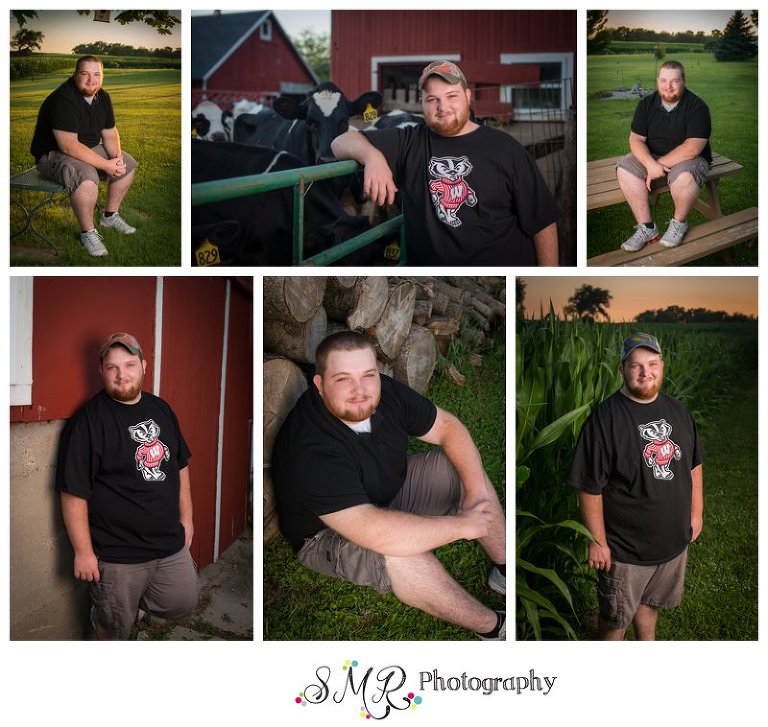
655	171
114	167
697	523
599	556
189	531
87	567
378	182
477	520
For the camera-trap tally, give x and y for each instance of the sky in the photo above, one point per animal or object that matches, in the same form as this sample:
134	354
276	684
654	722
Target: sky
635	294
674	21
294	21
64	29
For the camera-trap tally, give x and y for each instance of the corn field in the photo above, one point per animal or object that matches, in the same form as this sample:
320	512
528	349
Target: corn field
564	369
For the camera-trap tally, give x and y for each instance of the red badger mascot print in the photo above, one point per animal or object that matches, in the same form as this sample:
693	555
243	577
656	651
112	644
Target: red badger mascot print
448	189
661	450
151	452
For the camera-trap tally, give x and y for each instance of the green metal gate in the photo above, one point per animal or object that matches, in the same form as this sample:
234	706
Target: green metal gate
300	179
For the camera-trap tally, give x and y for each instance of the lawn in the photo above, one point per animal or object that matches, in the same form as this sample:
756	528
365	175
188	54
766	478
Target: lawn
148	113
302	605
725	86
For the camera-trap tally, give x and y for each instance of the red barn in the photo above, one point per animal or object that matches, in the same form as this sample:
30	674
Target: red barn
512	58
245	55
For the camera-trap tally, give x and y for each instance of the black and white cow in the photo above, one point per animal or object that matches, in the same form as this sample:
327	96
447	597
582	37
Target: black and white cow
305	128
210	123
397	119
265	221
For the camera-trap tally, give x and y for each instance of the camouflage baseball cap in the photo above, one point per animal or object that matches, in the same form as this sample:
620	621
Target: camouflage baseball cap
122	339
639	340
446	70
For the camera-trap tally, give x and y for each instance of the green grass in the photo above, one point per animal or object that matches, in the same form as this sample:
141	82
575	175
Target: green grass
148	113
725	86
302	605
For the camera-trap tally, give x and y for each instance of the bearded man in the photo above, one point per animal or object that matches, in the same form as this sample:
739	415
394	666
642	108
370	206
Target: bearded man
638	467
669	145
123	478
470	194
354	504
76	143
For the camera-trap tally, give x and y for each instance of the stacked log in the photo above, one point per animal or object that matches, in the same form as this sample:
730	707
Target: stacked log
407	318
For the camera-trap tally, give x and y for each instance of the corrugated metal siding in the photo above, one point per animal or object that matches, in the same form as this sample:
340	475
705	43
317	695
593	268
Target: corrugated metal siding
476	36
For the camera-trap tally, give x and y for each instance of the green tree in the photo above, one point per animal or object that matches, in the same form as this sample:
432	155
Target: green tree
27	41
598	37
520	286
316	49
738	42
161	20
588	302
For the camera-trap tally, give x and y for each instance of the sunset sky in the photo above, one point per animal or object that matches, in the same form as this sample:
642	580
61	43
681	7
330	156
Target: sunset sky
674	21
633	295
64	29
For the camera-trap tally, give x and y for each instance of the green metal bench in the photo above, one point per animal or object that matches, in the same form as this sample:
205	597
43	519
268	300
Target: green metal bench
32	181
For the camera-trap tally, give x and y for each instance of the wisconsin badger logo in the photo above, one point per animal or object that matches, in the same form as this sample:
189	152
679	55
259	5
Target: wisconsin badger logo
151	452
661	450
448	189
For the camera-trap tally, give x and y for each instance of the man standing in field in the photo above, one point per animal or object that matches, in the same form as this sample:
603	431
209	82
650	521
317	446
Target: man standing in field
123	477
471	195
638	467
355	506
669	145
76	143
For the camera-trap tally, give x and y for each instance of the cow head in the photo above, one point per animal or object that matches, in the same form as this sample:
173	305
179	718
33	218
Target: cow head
326	112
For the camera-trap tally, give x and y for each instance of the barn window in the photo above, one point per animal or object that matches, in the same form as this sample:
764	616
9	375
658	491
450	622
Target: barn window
265	30
21	341
550	95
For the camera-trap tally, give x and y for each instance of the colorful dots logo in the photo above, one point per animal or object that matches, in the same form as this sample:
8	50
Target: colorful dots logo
348	664
300	700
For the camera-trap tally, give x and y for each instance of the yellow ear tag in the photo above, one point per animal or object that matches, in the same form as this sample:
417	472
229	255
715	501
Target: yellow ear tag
207	254
392	251
370	113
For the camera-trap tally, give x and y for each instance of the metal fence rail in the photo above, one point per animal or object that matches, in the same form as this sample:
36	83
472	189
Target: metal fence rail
300	179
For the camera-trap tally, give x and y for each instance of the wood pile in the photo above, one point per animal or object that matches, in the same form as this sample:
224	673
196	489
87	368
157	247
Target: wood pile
408	319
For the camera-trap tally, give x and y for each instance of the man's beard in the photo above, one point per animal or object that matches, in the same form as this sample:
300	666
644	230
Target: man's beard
125	394
87	92
450	126
645	393
353	412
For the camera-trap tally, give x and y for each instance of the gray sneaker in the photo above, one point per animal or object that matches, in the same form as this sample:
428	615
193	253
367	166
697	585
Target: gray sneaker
675	233
641	237
502	633
497	581
117	223
93	243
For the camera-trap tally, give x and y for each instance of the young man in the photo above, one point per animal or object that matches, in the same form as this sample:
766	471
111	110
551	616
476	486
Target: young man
669	144
76	143
354	505
470	195
638	466
125	496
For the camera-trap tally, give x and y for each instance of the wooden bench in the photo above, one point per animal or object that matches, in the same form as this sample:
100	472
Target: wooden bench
717	235
714	236
31	180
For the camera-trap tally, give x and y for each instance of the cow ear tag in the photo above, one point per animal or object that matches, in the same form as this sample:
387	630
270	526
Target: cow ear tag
207	254
370	113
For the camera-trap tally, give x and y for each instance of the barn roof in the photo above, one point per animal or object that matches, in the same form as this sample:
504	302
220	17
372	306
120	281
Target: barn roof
216	37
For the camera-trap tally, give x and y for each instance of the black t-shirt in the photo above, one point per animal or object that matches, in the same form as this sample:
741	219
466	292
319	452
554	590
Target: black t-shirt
664	130
320	465
124	459
640	457
66	109
476	199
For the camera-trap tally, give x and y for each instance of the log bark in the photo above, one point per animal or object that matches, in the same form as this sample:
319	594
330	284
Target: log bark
391	330
284	383
297	341
416	361
360	305
422	311
293	298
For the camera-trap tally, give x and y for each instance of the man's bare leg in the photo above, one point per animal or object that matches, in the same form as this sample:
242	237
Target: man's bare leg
635	192
422	582
645	623
684	192
495	544
117	190
608	633
83	201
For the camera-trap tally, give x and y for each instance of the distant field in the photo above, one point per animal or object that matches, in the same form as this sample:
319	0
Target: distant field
148	111
37	63
648	46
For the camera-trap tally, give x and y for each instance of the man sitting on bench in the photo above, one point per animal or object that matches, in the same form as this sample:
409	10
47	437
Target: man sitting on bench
76	144
669	144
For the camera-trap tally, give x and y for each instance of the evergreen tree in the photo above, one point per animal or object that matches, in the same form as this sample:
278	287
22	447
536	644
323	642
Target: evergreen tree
738	42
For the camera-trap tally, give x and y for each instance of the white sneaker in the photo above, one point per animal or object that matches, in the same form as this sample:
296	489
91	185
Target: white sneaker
93	243
640	238
497	581
117	223
675	233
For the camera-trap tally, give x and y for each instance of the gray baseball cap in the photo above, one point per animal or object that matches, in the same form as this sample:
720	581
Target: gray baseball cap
122	339
639	340
446	70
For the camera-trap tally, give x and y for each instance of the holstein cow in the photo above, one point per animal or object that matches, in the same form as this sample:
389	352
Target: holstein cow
396	119
265	221
244	106
304	129
210	123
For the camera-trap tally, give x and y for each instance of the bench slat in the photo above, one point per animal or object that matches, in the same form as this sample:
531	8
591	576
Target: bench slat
702	240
